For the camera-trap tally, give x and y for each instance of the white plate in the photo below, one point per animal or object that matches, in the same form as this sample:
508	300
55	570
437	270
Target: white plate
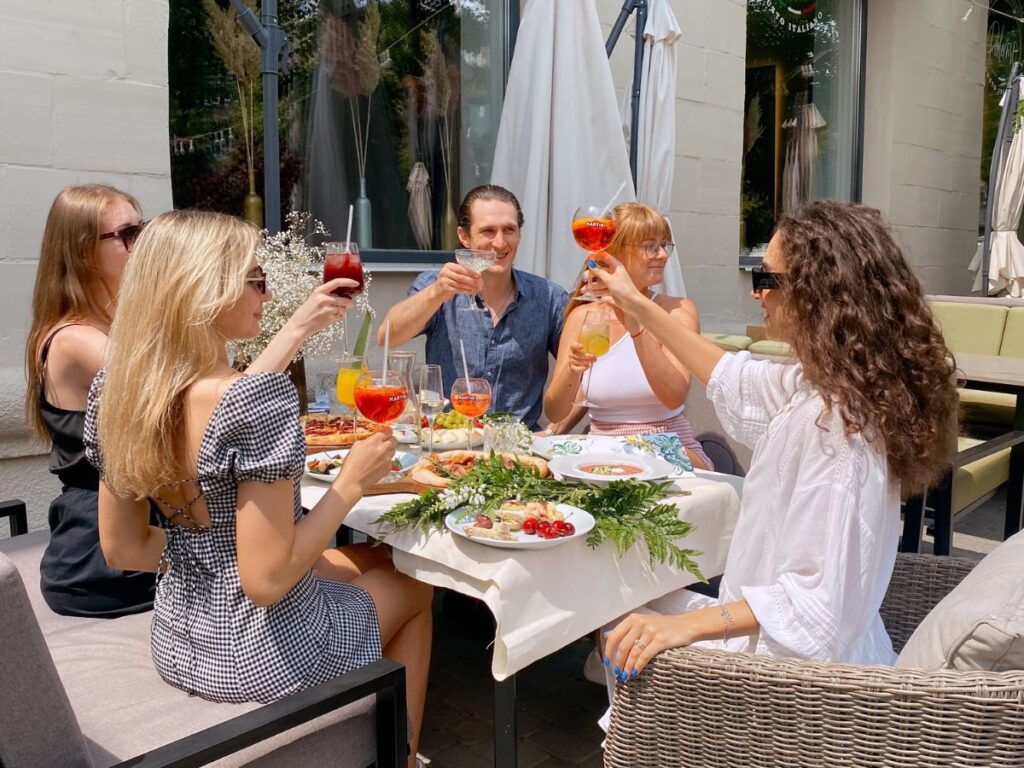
407	460
651	468
583	520
451	439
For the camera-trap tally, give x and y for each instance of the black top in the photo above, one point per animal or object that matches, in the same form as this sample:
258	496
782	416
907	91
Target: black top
74	576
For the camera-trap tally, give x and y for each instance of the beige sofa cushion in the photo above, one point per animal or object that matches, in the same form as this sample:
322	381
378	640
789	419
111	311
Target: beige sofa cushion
993	408
1013	334
980	624
974	480
973	328
771	347
730	342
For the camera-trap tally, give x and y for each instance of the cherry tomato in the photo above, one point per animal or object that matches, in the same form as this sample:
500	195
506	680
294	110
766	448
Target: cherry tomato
543	526
559	527
530	526
549	533
483	521
569	529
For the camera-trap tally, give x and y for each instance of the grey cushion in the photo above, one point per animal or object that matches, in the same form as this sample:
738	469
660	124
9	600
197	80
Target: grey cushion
37	724
980	624
123	706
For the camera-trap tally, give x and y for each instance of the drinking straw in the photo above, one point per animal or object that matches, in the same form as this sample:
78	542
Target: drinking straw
348	234
465	368
607	205
387	343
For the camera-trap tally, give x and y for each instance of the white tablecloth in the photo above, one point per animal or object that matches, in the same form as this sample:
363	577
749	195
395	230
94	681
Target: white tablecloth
543	600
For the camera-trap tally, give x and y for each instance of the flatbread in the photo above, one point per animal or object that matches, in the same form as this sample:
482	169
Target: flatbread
459	463
336	431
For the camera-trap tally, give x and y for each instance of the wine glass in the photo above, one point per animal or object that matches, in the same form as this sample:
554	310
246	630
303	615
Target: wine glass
381	395
349	368
595	336
478	261
593	228
431	396
471	398
342	260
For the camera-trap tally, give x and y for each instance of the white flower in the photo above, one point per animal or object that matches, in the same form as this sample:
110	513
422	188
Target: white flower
293	270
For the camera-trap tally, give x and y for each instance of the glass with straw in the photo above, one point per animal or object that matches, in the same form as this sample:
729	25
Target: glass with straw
471	397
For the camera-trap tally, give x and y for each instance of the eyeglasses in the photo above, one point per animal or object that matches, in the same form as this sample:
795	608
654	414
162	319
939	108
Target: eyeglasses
762	280
653	249
127	234
259	281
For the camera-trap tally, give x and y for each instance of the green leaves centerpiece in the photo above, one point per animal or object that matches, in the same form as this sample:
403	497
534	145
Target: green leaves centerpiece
626	512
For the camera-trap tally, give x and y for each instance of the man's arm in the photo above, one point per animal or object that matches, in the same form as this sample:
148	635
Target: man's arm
410	316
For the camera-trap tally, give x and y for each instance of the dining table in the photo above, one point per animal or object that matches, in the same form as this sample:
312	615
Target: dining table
545	599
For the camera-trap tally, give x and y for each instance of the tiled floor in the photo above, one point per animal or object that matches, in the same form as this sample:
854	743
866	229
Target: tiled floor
558	708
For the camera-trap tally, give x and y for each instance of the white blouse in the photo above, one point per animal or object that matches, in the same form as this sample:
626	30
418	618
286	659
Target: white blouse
815	543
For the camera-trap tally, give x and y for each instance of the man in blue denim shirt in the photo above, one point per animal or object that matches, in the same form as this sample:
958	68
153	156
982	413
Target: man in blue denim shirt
508	344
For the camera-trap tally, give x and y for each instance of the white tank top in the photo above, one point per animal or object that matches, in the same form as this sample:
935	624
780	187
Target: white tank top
619	389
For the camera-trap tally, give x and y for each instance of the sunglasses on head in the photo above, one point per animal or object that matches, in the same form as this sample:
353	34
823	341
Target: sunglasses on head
127	234
258	279
762	280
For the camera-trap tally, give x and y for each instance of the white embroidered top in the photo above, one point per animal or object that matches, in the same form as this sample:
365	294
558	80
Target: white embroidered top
815	543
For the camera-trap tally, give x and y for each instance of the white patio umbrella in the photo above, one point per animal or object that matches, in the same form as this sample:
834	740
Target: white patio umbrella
559	144
656	130
1006	258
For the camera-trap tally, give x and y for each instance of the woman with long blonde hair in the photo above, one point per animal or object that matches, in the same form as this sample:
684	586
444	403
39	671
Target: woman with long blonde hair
251	604
636	387
89	234
861	419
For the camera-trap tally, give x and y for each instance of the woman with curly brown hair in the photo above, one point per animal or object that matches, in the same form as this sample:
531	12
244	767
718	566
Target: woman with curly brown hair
862	419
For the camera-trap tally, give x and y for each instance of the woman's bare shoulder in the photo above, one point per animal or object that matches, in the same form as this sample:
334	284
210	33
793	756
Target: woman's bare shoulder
679	307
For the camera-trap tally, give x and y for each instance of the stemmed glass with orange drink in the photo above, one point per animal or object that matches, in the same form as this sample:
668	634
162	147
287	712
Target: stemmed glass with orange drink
593	228
381	395
471	398
595	336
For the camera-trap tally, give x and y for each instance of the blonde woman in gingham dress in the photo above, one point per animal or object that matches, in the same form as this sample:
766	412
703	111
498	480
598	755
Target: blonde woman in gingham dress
251	605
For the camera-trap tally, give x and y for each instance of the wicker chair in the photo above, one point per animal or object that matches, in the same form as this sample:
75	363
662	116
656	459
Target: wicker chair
694	707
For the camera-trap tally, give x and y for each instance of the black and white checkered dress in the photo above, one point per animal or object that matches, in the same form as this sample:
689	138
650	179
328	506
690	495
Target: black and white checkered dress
208	638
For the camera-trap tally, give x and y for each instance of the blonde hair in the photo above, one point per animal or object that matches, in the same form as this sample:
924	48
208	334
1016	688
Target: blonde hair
186	268
634	224
67	286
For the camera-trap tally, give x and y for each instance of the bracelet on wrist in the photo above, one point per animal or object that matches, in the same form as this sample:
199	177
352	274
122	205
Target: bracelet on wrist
729	623
634	335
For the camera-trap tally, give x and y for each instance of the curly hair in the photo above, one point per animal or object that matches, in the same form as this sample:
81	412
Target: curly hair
866	337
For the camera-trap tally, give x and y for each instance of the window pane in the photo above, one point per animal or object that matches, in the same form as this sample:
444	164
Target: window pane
411	120
800	109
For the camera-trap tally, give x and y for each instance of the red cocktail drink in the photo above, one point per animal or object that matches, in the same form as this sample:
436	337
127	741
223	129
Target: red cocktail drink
382	404
593	234
345	264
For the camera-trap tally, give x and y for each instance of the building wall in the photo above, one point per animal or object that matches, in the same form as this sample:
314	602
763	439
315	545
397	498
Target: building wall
83	98
925	70
710	60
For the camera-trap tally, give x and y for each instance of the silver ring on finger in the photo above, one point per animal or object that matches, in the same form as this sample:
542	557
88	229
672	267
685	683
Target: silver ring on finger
640	643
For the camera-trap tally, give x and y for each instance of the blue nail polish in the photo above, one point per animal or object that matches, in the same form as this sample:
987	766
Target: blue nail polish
592	264
634	673
607	661
617	672
623	677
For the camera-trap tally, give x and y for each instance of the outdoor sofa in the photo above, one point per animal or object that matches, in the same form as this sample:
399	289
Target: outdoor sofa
84	693
702	708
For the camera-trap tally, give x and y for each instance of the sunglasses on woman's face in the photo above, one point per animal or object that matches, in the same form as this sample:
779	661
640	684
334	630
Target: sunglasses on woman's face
762	279
127	234
258	280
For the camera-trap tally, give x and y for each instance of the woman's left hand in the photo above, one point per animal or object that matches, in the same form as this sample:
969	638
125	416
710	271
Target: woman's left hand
640	637
322	307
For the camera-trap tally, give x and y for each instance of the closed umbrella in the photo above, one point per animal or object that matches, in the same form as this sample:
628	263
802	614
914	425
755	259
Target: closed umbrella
421	217
656	129
801	156
559	144
1006	261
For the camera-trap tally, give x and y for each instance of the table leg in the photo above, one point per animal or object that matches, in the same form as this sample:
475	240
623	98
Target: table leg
941	498
913	524
1015	487
505	745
